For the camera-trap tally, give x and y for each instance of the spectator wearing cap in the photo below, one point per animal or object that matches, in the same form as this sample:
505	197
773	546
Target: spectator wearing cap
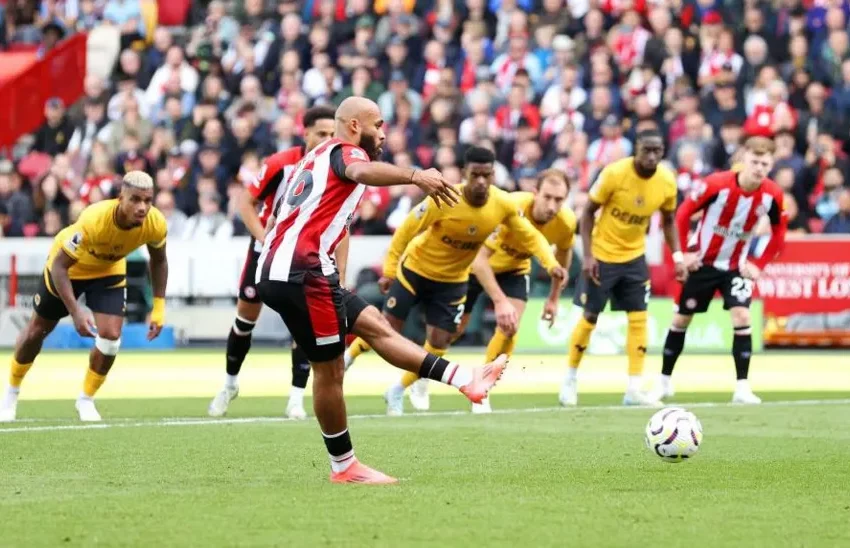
723	105
685	102
175	62
363	50
51	34
727	144
397	59
611	145
398	90
397	22
840	222
18	205
53	136
774	114
517	57
87	130
719	55
362	85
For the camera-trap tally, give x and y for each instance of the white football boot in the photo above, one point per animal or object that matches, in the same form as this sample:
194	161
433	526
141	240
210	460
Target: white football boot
482	408
637	397
221	401
394	396
87	410
662	389
568	397
419	397
9	405
744	394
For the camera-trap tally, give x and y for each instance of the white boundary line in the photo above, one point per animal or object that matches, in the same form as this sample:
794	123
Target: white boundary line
191	421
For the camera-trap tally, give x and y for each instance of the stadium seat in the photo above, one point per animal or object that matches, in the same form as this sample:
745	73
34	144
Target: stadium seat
173	13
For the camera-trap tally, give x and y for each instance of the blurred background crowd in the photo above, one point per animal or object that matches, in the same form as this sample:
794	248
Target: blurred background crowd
201	91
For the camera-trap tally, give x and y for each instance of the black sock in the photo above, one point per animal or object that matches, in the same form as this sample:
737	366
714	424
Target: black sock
339	447
300	368
673	346
742	350
238	345
433	367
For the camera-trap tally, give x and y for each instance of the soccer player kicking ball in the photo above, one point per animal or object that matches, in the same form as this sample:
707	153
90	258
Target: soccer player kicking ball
297	277
731	204
626	195
88	258
430	256
502	266
318	127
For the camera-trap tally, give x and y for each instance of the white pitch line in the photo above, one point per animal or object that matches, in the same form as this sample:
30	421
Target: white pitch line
190	421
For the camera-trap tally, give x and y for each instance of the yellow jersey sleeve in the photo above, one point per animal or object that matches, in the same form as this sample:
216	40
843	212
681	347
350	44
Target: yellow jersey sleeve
536	240
670	196
569	233
604	186
158	230
72	243
417	221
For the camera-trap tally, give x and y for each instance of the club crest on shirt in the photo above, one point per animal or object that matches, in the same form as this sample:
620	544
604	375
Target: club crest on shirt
37	299
639	201
472	230
391	302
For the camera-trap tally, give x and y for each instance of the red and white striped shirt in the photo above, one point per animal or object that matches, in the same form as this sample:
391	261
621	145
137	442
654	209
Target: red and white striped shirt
266	187
313	214
722	237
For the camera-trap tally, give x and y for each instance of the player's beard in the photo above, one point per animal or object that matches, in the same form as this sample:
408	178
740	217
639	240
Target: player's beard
370	145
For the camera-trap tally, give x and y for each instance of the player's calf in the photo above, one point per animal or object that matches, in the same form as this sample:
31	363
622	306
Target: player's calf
742	351
674	343
300	375
27	349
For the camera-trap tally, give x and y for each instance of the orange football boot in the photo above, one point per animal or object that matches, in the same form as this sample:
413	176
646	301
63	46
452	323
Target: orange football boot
484	378
360	473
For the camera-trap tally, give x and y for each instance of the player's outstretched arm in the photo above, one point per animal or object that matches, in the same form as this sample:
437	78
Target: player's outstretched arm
430	181
83	322
538	245
159	277
506	316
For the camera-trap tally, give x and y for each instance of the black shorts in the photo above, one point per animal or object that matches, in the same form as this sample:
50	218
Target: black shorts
107	295
626	284
697	292
318	313
443	301
247	284
512	284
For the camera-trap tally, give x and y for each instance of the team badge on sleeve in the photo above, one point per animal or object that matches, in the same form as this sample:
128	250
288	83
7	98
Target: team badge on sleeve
358	154
74	241
421	209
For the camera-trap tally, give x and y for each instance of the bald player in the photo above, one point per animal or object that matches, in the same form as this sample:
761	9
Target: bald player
299	279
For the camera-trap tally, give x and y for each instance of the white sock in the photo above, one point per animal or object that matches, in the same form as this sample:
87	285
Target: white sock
296	396
634	383
457	376
231	381
84	397
665	380
342	462
13	390
742	385
572	373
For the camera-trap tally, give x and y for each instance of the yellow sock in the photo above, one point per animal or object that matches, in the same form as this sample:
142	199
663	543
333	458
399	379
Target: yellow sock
17	373
499	344
92	383
579	341
636	342
358	346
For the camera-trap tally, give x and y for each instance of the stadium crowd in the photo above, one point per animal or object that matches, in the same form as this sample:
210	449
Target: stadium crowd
544	83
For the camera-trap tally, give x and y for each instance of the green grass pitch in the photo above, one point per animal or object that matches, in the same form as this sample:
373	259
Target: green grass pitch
158	472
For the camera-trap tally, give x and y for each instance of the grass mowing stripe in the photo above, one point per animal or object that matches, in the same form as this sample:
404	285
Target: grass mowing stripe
189	421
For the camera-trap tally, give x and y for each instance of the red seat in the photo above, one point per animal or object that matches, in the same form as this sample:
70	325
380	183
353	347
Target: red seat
173	13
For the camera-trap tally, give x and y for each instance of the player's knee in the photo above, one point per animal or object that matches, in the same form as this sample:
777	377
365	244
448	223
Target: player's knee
740	316
439	338
681	321
591	317
106	344
248	312
329	372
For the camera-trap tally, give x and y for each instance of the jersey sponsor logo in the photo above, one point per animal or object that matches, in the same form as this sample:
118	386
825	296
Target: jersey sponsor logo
628	217
358	154
515	253
74	241
462	245
113	257
733	231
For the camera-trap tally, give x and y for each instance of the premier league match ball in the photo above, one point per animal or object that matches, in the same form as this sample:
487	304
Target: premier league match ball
674	434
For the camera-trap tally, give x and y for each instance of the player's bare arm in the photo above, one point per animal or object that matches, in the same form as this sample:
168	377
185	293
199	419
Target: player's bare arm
550	307
248	212
506	316
416	222
83	322
538	245
159	278
341	257
671	235
430	181
590	266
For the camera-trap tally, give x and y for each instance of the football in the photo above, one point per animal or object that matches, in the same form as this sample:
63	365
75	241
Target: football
674	434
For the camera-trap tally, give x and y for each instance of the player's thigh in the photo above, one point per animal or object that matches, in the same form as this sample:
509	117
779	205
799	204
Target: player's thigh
696	293
108	325
445	305
37	329
46	302
247	284
473	293
631	289
592	296
740	316
736	290
403	295
371	324
515	286
107	295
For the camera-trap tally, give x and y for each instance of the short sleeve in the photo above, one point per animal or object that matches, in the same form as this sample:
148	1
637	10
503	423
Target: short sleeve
777	209
159	231
567	237
604	186
266	180
346	155
670	195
